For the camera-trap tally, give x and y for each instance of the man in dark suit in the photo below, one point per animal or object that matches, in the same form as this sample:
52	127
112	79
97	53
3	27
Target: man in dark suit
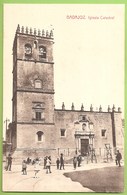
9	162
118	158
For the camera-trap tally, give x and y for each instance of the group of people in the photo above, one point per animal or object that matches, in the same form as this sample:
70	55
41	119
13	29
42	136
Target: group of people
36	163
47	163
60	162
77	161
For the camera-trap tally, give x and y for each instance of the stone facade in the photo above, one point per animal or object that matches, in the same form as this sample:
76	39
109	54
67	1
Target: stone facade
38	129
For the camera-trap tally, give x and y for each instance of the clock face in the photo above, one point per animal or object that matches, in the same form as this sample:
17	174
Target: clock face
28	49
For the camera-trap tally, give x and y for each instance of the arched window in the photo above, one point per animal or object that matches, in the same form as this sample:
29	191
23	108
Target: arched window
28	49
38	83
42	51
40	135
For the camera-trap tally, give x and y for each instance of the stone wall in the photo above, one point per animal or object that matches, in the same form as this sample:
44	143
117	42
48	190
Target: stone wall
65	119
25	109
29	71
27	136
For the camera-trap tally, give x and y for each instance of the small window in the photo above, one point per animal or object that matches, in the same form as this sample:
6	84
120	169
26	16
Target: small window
63	132
38	84
83	117
38	115
28	49
103	132
38	111
42	52
40	136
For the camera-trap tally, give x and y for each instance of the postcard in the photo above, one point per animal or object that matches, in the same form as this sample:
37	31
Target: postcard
63	106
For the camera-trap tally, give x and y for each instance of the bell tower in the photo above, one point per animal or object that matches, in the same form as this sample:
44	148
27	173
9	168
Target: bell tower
33	90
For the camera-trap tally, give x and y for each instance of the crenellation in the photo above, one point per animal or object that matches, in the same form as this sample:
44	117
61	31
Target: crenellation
113	108
72	107
91	108
26	30
63	106
82	107
31	32
22	29
43	33
51	33
35	32
39	32
109	109
18	28
100	109
47	33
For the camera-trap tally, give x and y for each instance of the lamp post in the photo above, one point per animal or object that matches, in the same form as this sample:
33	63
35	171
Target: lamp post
6	127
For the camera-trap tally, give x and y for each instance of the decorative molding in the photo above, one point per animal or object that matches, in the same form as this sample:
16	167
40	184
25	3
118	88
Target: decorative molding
34	91
33	123
36	61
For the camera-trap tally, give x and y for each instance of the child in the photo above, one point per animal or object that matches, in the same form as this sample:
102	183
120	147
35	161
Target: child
57	163
48	165
24	166
36	167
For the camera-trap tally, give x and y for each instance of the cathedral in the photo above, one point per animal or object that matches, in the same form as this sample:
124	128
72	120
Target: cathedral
39	129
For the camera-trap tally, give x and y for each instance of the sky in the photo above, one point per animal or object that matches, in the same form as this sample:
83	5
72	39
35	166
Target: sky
88	52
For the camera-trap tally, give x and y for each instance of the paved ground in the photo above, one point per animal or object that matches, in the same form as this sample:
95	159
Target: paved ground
53	182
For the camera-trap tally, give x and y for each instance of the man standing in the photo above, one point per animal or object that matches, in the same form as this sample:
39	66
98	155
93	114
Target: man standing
79	159
61	161
9	162
118	158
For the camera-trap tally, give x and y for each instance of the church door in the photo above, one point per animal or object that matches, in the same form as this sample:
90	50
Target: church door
84	146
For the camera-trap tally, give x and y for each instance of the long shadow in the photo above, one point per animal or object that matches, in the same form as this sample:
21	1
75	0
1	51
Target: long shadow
108	179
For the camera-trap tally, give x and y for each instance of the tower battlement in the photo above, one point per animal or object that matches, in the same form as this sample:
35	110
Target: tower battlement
109	109
35	32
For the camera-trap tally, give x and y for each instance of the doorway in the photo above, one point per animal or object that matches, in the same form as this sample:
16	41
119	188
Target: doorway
84	146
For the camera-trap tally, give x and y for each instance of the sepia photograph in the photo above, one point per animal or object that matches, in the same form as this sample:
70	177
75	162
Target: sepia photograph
63	97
